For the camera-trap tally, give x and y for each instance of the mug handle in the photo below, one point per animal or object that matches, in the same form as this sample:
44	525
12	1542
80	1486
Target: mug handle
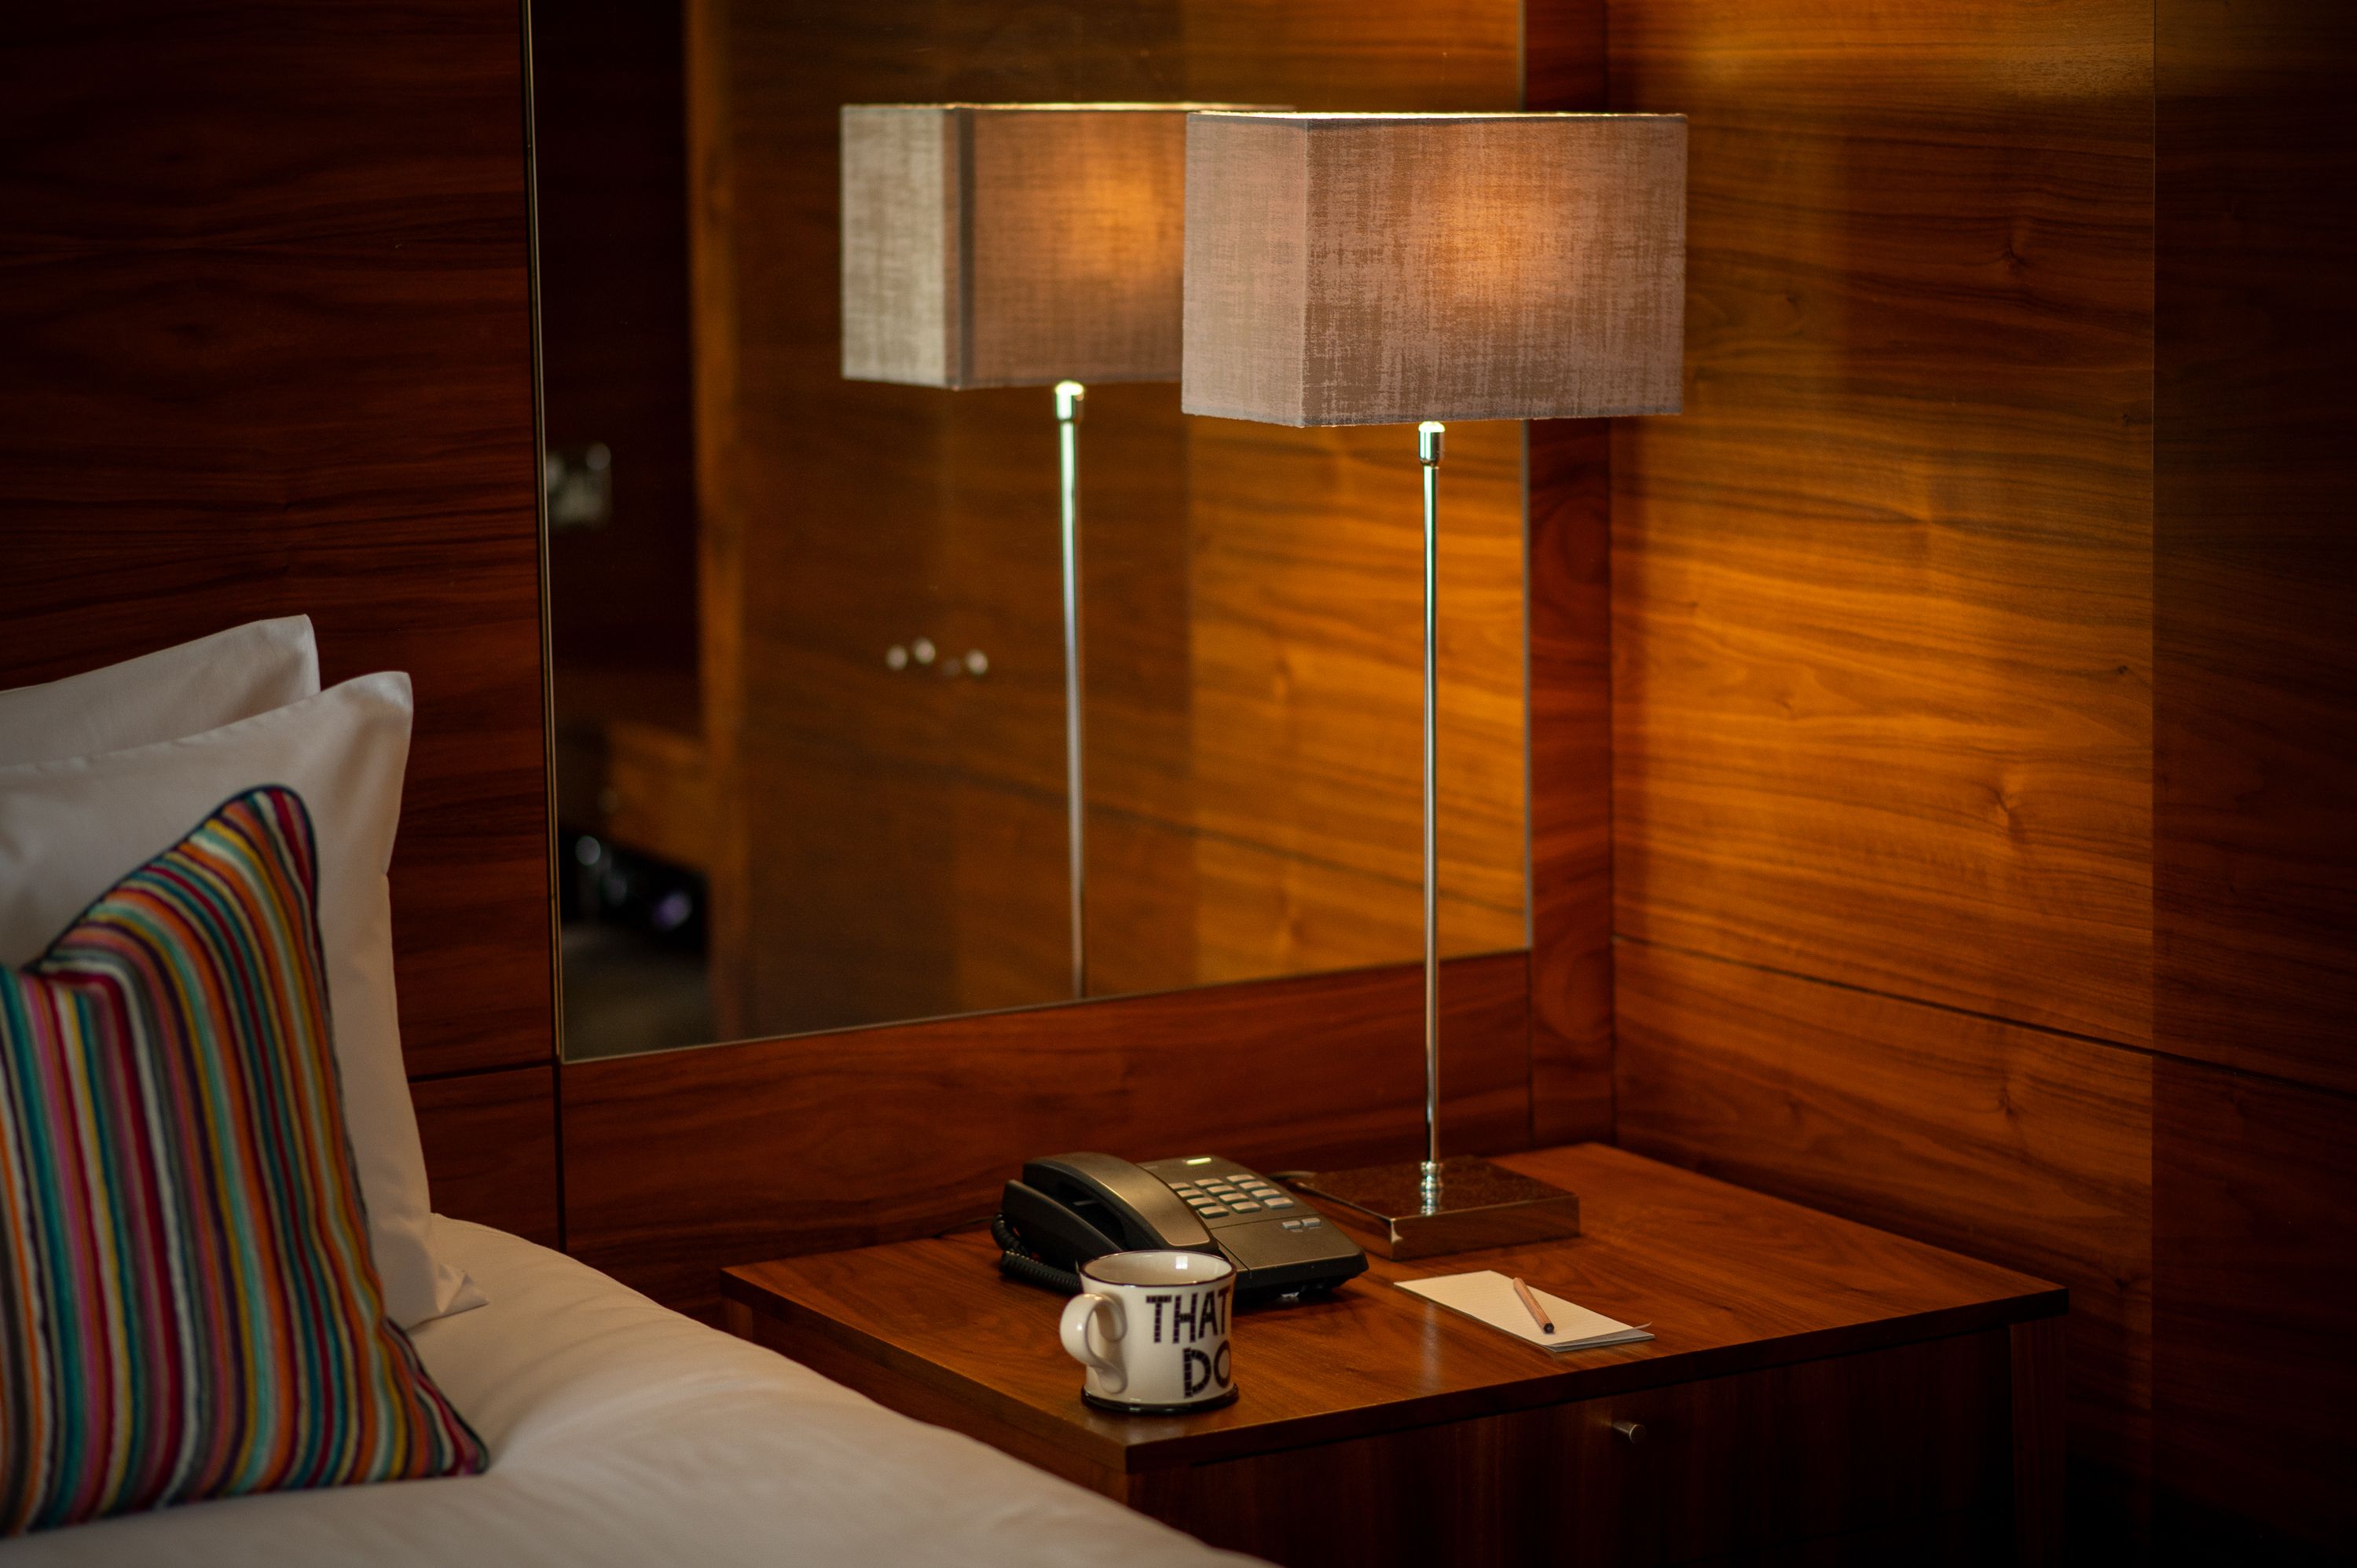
1079	1314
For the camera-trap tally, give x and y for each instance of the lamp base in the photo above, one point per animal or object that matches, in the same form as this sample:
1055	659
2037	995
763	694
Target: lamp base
1479	1205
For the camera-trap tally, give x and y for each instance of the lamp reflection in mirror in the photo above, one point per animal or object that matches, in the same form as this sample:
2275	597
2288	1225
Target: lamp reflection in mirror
1376	269
1019	244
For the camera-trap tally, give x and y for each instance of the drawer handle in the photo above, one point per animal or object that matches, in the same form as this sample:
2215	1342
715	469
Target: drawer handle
1632	1432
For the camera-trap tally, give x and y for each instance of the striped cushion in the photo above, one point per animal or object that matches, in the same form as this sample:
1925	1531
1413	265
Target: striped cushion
188	1306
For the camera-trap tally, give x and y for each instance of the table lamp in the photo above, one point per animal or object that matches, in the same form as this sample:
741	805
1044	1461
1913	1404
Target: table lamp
1019	244
1375	269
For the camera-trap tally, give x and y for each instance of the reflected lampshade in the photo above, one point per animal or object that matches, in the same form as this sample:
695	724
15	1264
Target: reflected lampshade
1012	244
1372	269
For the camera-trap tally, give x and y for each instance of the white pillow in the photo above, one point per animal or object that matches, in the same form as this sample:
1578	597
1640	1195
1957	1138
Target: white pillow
197	686
69	829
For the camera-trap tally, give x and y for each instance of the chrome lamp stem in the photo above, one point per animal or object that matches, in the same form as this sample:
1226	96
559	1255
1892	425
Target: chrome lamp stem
1069	396
1427	450
1431	1208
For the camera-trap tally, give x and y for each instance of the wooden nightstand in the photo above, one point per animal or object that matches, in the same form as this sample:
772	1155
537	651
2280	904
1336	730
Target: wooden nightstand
1810	1379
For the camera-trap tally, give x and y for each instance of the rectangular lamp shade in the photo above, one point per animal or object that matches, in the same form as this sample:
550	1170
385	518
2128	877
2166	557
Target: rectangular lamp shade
1375	269
1012	244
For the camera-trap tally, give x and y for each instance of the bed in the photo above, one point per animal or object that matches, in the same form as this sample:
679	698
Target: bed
217	1245
622	1433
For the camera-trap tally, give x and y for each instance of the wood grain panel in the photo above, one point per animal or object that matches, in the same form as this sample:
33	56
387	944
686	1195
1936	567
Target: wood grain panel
2255	781
1306	603
1882	594
714	364
1253	911
2254	695
1144	887
1571	780
1566	48
490	1149
1568	471
2010	1143
676	1165
610	119
1336	55
264	348
2254	1202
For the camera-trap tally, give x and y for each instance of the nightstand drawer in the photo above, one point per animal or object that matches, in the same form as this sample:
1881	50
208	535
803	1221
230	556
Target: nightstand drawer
1918	1435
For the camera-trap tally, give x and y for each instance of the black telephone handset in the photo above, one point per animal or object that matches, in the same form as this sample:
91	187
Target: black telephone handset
1063	1211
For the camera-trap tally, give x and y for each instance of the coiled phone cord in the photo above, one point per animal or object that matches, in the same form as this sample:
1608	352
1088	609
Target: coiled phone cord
1017	1264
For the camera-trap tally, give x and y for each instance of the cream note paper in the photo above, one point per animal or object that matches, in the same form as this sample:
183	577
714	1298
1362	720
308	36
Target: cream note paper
1489	1296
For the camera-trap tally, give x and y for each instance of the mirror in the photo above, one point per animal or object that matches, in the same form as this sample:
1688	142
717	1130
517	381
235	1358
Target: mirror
806	633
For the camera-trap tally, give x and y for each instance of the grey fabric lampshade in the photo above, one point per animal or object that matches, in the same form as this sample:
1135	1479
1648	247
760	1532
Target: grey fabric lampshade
1372	269
1012	244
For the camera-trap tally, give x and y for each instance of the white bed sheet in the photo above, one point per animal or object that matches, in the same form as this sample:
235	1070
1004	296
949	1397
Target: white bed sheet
624	1434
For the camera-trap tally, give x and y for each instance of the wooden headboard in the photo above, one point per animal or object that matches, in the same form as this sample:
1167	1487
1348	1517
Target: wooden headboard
266	348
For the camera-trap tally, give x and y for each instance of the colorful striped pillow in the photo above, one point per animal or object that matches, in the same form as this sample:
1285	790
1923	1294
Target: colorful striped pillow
187	1304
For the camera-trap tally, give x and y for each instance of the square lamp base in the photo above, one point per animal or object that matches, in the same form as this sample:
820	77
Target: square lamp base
1480	1205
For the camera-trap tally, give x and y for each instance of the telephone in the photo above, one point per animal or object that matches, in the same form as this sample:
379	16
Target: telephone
1062	1211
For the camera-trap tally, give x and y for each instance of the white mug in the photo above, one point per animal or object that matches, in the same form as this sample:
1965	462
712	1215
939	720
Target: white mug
1152	1329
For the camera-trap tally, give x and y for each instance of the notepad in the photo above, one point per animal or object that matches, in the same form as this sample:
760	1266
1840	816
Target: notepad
1488	1297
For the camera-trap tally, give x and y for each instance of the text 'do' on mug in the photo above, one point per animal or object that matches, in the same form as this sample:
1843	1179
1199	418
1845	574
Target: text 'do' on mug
1152	1329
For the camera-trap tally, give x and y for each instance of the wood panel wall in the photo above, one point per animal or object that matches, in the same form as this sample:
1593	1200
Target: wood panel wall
1568	465
2255	779
1982	815
610	138
266	348
1303	783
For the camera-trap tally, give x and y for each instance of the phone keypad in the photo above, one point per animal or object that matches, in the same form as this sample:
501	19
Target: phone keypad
1278	1240
1239	1195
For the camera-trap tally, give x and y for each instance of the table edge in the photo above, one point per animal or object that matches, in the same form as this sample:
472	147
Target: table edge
1626	1373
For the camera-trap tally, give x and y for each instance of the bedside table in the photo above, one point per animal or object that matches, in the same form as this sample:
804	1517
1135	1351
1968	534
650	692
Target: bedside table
1810	1380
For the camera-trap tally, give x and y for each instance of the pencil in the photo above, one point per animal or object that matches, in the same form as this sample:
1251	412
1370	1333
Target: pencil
1538	1312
